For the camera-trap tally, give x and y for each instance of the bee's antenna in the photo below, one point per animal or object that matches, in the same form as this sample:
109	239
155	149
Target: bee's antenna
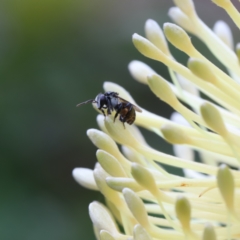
88	101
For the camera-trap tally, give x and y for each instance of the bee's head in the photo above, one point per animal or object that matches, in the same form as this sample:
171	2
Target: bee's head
100	100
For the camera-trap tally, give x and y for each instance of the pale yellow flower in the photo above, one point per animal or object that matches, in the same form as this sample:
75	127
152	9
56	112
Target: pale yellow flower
146	200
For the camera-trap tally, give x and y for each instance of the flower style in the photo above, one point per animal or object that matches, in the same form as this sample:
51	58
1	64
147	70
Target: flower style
141	196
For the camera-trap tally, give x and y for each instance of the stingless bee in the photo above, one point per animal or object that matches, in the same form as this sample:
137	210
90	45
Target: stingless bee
112	102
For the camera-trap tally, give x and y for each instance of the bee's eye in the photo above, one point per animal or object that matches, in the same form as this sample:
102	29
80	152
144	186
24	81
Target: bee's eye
102	99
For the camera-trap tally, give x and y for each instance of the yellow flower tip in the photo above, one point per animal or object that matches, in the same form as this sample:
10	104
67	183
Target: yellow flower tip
201	70
102	218
238	51
136	206
155	35
105	235
102	140
110	164
146	48
114	184
140	71
139	233
183	212
100	177
178	37
181	19
161	89
174	135
223	31
187	6
122	134
85	178
225	182
213	119
144	178
209	233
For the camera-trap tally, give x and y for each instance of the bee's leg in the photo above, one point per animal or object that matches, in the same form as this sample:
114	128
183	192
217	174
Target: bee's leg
102	112
115	116
123	120
109	107
118	109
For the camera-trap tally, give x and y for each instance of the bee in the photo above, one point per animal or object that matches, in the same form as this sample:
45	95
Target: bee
111	101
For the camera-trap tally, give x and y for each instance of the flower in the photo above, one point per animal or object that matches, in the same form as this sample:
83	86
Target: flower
146	200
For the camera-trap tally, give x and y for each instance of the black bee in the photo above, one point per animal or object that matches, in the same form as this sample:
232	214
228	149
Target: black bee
112	102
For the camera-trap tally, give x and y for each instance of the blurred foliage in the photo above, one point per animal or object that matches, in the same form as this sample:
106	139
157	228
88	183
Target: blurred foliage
53	55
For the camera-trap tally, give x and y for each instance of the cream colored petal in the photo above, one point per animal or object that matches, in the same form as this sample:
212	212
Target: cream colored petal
84	177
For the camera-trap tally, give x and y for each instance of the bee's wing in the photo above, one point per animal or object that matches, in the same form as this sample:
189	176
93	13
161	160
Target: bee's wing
135	107
88	101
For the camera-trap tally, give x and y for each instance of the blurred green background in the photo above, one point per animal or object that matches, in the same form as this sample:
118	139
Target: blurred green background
53	55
